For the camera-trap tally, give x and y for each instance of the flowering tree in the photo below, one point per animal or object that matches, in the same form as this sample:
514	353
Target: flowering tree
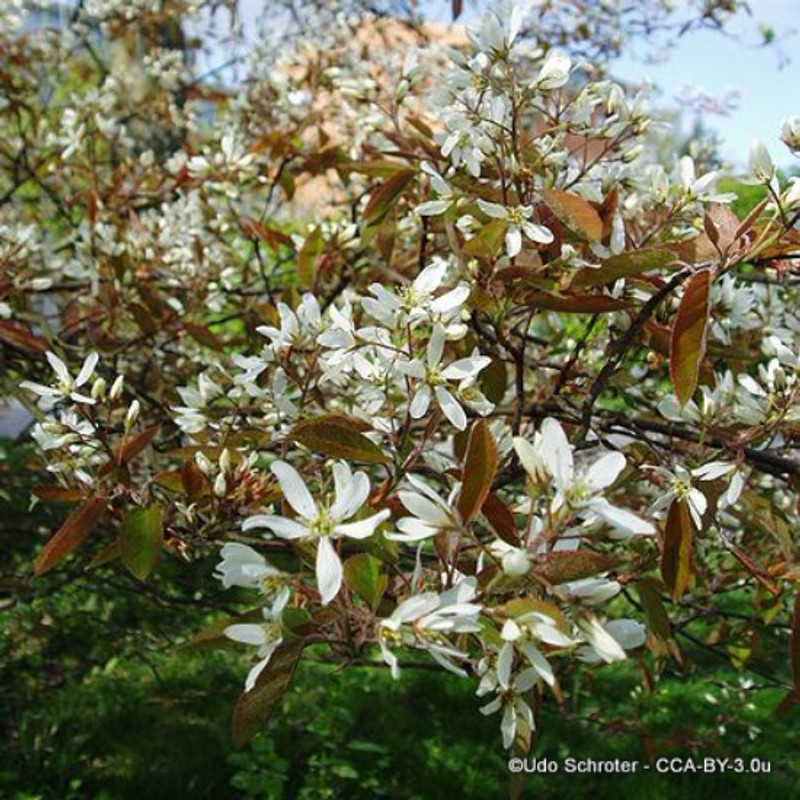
442	365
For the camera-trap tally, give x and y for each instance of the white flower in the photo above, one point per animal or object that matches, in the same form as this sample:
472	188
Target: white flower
421	621
509	699
267	636
761	165
322	523
66	384
433	380
608	642
446	198
243	566
679	487
417	302
700	188
554	73
790	133
550	455
431	514
519	222
299	329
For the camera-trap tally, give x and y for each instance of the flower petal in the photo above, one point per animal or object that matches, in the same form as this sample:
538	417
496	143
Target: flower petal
328	571
294	490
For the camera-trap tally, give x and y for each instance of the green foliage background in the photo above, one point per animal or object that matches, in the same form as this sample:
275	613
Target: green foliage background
100	700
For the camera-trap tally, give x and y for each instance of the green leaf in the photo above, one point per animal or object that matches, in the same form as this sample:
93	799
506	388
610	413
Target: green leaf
141	540
657	620
688	339
338	436
622	266
254	708
489	242
480	466
386	196
574	212
70	535
363	576
308	255
676	558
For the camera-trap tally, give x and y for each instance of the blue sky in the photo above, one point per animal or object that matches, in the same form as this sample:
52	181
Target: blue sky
768	91
767	79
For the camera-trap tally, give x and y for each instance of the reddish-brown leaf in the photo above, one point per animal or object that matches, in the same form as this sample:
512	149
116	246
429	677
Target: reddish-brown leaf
795	645
574	303
574	212
564	567
254	708
338	436
203	335
192	479
501	518
132	446
386	195
622	266
676	557
273	237
688	339
21	337
70	535
109	553
57	494
480	466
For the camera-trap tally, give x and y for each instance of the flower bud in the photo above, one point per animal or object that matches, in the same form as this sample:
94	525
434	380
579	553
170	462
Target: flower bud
790	133
761	163
220	485
132	414
516	563
116	388
203	464
99	389
225	460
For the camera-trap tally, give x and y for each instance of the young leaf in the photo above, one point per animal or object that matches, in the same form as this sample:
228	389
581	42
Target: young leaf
52	493
308	255
564	567
363	576
501	518
386	195
338	436
480	466
141	541
676	558
254	708
70	535
21	337
574	303
795	645
688	340
650	597
622	266
574	212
